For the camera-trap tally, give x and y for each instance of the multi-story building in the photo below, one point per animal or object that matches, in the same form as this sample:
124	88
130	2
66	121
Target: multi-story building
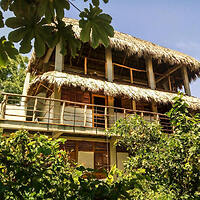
79	98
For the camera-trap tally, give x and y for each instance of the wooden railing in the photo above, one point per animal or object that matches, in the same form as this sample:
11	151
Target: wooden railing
53	111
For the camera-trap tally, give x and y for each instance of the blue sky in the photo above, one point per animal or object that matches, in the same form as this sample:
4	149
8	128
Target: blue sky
170	23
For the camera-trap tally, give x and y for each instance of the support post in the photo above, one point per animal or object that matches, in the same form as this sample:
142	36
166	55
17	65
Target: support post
186	80
34	109
110	111
85	65
113	152
109	66
3	106
85	115
62	113
59	66
150	73
131	74
106	118
134	104
151	79
59	59
170	83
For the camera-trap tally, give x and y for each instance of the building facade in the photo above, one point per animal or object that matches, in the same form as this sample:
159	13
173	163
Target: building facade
80	97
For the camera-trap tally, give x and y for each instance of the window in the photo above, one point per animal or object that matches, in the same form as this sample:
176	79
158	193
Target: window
89	154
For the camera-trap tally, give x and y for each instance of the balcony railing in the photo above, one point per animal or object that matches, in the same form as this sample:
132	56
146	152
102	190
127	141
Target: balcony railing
16	107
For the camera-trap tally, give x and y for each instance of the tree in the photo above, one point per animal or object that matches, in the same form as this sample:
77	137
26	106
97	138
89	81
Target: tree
35	167
170	162
12	77
41	21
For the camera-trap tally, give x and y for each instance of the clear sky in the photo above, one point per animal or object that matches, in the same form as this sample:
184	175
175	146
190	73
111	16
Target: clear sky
170	23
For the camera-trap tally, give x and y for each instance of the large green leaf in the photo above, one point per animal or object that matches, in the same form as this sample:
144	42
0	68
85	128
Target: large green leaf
1	20
39	46
7	51
99	24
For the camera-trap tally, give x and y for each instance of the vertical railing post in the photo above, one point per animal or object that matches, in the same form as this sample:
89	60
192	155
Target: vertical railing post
131	74
85	116
142	114
62	113
85	65
3	106
125	113
34	109
106	118
74	116
157	118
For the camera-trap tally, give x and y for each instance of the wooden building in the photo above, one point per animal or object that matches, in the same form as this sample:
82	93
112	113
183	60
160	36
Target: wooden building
79	98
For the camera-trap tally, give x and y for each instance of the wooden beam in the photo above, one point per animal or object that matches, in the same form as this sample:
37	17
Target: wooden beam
106	118
170	83
85	65
154	107
85	115
34	109
3	106
59	59
186	81
150	73
134	104
109	64
168	73
62	113
131	75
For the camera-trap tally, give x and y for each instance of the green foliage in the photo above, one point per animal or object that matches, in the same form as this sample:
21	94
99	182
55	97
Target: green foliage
95	22
7	51
171	162
12	77
41	21
34	167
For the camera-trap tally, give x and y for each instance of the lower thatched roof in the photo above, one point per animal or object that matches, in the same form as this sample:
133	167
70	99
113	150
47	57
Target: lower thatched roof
109	89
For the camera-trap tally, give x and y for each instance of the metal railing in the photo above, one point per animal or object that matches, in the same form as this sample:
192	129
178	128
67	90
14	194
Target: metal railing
53	111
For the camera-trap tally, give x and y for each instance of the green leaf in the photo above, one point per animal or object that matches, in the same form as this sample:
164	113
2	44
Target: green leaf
14	22
1	20
39	46
93	20
95	2
17	35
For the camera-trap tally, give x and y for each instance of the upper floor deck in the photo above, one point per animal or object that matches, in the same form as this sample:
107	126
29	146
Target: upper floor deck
61	117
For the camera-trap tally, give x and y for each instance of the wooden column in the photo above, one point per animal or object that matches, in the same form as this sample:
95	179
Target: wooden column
25	92
186	81
150	73
59	66
59	59
111	117
113	152
26	83
151	79
134	104
109	66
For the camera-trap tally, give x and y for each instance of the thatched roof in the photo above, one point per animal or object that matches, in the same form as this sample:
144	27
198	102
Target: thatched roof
109	88
136	46
142	48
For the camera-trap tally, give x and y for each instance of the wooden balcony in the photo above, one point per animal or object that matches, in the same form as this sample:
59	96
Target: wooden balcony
65	117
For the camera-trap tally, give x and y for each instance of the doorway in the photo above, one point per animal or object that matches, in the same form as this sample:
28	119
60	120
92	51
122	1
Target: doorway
99	111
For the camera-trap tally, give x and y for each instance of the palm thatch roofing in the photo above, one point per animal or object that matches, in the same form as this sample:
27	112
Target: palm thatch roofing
141	48
108	88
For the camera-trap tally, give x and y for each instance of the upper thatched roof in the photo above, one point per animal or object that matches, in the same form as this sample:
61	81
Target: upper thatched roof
109	89
142	48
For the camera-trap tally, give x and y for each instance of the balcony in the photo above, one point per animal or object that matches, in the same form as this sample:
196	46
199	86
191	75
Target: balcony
59	117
